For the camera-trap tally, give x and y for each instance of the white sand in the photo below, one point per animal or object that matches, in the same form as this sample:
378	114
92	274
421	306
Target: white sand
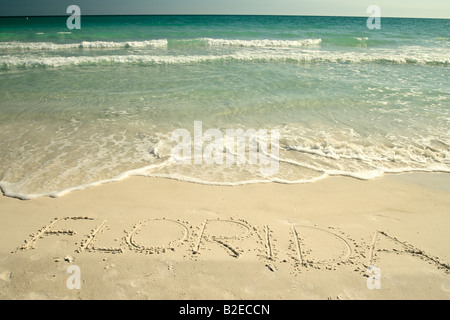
161	239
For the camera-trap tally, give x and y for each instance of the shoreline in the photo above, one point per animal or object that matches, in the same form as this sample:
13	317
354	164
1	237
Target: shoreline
133	173
151	238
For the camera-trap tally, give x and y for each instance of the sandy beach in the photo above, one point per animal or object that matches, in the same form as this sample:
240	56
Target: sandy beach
145	238
228	151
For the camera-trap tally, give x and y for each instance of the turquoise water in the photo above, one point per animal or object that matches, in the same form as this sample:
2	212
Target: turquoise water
83	107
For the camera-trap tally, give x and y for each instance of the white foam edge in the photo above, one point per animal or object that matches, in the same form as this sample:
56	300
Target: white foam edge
82	45
261	43
363	175
322	56
5	186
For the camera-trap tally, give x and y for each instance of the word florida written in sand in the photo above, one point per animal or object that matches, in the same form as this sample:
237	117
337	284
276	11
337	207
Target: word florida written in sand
299	245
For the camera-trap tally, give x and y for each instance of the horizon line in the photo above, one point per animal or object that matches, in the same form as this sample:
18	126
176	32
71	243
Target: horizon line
214	14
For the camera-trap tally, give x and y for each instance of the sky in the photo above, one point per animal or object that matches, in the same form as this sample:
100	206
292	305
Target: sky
389	8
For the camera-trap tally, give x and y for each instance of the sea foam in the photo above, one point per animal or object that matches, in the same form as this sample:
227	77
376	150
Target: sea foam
438	59
36	46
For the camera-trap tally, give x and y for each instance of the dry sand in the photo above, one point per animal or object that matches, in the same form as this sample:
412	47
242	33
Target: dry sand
148	238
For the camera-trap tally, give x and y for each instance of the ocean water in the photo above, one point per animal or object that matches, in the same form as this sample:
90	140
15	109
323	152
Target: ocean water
84	107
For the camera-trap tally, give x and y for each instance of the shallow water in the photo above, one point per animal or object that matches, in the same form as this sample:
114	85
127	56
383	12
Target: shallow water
82	107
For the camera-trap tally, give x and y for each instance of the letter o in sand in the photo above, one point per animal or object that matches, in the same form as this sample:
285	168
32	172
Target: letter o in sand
157	236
